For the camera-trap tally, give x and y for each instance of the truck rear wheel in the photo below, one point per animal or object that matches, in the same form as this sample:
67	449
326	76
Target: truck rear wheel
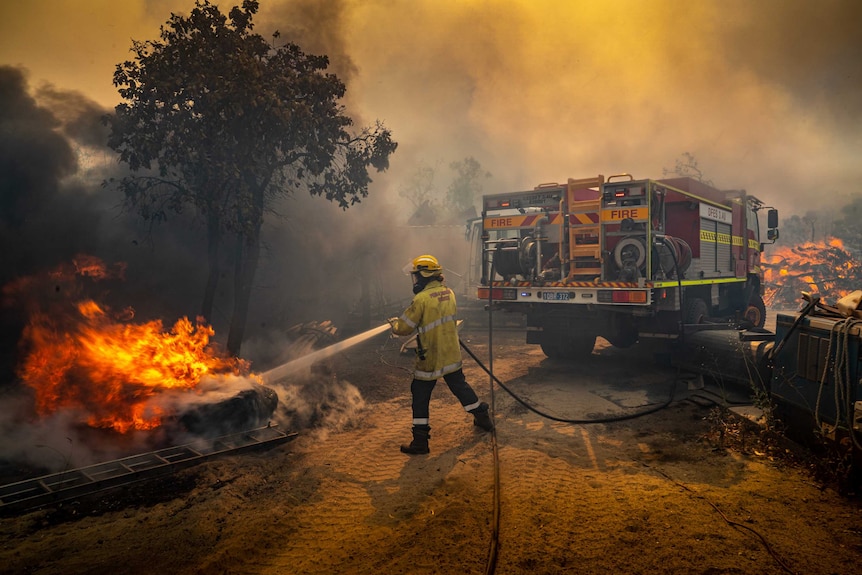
567	346
622	332
622	339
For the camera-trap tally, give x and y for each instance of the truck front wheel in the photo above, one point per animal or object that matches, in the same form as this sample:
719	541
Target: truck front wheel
755	312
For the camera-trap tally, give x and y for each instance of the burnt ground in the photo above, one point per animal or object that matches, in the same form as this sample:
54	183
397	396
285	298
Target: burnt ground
688	488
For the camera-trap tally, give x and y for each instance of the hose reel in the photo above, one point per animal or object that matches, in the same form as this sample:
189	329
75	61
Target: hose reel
517	257
630	257
630	251
671	254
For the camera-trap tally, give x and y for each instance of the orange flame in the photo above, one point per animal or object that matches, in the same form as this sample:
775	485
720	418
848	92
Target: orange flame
823	267
108	369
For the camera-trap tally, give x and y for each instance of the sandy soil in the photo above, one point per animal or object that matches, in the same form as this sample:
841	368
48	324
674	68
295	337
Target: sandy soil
686	489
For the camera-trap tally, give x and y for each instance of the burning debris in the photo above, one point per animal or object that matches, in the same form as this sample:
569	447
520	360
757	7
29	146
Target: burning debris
823	267
79	357
93	384
243	411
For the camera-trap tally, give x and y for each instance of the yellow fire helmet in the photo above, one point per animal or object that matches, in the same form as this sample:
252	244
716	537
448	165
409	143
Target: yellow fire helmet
425	265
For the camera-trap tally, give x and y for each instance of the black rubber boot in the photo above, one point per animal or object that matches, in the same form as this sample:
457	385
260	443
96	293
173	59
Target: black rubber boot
419	445
481	417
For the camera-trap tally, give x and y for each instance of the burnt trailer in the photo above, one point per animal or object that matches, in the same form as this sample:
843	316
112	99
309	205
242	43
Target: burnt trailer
816	379
809	370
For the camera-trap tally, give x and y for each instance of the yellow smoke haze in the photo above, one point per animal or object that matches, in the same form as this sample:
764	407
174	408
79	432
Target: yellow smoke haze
767	95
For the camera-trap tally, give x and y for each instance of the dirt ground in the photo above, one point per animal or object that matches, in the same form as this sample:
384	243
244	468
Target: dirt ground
685	489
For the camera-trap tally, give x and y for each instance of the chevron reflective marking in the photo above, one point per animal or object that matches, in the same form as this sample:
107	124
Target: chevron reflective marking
587	218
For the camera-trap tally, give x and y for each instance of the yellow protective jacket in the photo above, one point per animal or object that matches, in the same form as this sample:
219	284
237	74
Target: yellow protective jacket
432	316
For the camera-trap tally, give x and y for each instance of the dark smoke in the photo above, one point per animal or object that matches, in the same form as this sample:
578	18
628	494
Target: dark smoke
80	117
34	159
42	221
318	262
51	209
318	27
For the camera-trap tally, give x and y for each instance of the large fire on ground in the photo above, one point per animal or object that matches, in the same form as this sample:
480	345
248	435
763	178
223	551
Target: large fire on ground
79	356
823	267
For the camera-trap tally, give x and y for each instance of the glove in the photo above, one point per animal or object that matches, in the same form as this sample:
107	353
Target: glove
392	320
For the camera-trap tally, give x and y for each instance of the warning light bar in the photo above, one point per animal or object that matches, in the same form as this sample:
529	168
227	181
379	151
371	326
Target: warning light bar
628	192
622	296
540	199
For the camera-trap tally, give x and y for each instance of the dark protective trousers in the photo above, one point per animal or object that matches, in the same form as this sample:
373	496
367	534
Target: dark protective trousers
458	385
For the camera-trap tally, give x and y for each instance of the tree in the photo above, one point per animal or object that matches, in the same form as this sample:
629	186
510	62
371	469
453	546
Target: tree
686	166
216	118
465	188
810	220
421	191
815	225
430	206
794	231
849	226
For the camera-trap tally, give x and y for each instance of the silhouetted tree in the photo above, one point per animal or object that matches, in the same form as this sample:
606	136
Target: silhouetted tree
686	166
794	231
465	188
421	191
849	226
815	225
810	220
216	118
431	207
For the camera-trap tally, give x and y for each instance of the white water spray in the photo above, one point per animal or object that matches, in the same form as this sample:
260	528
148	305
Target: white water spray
307	361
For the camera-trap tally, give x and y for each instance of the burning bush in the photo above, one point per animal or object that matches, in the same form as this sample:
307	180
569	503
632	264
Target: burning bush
823	267
78	356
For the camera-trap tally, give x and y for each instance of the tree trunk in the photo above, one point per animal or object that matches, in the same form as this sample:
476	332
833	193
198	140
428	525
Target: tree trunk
213	242
245	266
247	256
365	292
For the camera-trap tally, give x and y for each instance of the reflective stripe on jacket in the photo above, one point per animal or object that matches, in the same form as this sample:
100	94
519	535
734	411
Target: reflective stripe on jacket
432	315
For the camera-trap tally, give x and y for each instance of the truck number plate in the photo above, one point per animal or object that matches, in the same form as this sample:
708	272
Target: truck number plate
555	295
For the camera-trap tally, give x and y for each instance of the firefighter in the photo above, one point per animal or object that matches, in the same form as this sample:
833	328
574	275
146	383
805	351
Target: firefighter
431	316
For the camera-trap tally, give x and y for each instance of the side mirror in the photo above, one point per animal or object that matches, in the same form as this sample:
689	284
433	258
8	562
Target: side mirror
772	219
772	234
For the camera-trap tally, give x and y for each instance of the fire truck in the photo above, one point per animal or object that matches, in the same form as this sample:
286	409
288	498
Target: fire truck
623	259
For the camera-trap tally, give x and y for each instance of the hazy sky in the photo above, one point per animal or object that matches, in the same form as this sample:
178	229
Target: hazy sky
767	94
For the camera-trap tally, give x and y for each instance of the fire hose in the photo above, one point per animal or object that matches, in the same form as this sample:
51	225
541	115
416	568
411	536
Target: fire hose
490	371
610	419
491	565
492	556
